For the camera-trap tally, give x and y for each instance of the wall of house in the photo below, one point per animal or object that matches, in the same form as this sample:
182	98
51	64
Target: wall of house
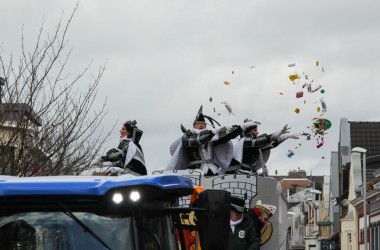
348	238
334	192
312	244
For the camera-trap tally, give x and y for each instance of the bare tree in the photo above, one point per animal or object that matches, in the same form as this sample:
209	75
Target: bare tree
48	125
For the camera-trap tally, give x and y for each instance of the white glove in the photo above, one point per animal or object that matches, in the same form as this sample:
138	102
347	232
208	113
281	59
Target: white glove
284	137
293	136
249	124
96	162
222	129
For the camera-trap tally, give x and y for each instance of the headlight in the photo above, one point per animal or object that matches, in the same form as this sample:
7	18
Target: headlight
134	196
117	198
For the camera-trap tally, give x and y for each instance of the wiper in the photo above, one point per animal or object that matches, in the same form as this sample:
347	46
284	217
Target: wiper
84	226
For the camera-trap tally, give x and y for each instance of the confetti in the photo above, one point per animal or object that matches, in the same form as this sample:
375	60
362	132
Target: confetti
316	89
228	107
290	154
323	103
299	94
293	77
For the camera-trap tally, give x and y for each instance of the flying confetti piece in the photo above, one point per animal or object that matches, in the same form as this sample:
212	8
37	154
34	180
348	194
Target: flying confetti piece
308	85
297	110
233	72
210	99
323	103
320	144
308	136
304	101
320	125
252	66
291	64
293	77
309	88
323	69
316	89
290	154
322	91
299	94
317	63
214	109
227	83
318	109
228	107
281	93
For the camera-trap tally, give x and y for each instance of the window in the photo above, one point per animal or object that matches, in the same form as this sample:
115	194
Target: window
7	157
57	230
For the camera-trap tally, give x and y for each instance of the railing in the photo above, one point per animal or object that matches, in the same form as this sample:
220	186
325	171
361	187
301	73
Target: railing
311	230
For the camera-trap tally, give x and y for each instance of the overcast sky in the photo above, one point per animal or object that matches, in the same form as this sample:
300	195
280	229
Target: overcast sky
166	58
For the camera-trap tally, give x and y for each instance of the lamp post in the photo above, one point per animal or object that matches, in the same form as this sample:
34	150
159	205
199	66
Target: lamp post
364	186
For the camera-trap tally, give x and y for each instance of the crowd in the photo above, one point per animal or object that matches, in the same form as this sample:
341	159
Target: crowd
207	148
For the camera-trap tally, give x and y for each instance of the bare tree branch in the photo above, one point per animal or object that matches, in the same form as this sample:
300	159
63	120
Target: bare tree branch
47	118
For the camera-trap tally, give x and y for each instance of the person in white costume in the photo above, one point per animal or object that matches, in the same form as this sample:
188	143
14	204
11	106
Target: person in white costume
208	149
252	151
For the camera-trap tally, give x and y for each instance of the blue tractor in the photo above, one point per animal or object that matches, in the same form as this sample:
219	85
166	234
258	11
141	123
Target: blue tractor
105	212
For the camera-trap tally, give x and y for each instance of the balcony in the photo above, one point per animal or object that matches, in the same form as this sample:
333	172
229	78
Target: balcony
311	230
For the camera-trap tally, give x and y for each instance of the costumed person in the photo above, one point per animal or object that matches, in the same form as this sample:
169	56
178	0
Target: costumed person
128	155
260	216
242	232
207	149
252	151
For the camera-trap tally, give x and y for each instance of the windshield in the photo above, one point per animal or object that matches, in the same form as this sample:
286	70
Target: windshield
56	230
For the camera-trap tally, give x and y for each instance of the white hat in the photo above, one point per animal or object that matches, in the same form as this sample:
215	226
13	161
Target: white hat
269	209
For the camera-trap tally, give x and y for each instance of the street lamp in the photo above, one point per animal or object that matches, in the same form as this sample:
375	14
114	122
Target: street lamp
364	186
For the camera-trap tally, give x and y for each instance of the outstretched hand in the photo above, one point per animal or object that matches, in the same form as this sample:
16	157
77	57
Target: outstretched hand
285	129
